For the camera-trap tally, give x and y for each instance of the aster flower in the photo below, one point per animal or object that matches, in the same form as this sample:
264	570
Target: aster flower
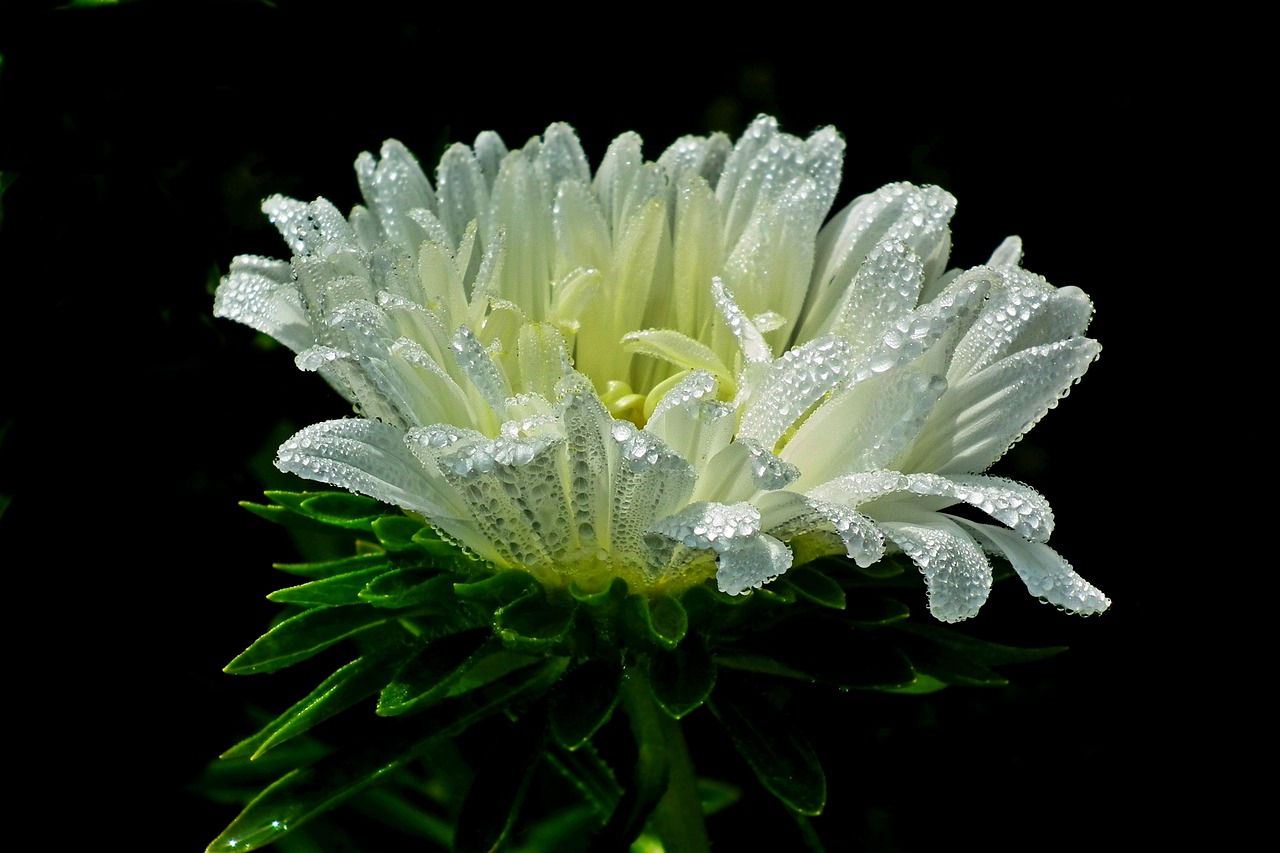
673	371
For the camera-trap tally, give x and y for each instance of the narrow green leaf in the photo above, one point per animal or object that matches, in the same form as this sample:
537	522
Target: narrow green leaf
948	665
980	651
922	685
356	681
781	758
867	609
682	679
498	788
335	590
310	632
424	679
588	773
307	792
583	701
812	585
821	647
490	664
329	568
387	806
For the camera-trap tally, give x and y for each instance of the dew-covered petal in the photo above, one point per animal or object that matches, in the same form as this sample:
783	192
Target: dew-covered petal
752	564
261	294
1024	311
747	558
1007	501
750	341
791	386
696	156
394	185
914	216
863	427
1047	575
691	421
475	362
649	482
983	415
956	572
741	470
787	514
924	338
363	456
315	228
512	485
463	193
677	349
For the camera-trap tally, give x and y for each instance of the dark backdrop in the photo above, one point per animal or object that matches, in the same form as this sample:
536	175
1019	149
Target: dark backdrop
140	139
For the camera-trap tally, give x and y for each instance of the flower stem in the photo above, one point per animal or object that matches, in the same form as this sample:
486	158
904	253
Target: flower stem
664	759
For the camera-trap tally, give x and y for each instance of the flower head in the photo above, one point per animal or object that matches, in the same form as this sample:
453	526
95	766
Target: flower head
675	370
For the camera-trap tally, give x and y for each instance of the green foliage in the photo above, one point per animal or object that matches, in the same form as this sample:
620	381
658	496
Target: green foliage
460	692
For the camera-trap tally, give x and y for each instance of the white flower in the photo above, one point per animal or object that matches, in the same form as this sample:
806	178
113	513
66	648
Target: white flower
672	370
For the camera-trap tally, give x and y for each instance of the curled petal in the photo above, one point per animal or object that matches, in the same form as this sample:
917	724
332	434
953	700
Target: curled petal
956	572
1047	575
1008	501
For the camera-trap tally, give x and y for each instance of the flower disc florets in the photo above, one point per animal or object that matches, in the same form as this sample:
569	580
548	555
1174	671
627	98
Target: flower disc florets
668	371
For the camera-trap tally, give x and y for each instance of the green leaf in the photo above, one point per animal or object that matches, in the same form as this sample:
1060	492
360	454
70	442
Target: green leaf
682	679
812	585
339	589
662	621
430	541
356	681
533	624
304	793
340	509
822	648
397	532
583	701
410	587
425	678
611	596
953	658
310	632
498	788
980	651
587	772
782	759
867	609
498	590
330	568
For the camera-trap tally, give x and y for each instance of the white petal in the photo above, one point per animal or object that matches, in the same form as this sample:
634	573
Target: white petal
752	565
393	186
1048	577
742	469
363	456
870	424
791	386
261	294
1008	501
981	417
957	574
787	515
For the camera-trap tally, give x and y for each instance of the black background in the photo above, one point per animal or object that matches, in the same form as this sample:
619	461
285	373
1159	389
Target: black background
143	138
